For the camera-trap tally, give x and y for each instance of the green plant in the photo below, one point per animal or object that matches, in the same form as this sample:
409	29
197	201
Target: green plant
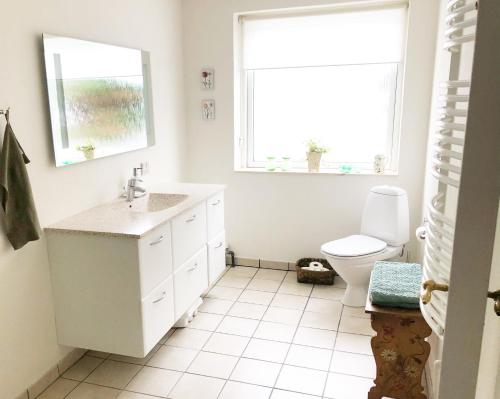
86	147
314	146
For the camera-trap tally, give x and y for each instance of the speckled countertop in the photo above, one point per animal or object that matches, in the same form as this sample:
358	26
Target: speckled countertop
118	219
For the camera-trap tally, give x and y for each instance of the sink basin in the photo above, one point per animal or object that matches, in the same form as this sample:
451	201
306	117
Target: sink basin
155	202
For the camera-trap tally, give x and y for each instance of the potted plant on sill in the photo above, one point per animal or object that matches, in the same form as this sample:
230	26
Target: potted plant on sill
313	154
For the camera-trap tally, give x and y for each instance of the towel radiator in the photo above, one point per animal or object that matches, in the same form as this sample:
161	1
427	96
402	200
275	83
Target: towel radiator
446	162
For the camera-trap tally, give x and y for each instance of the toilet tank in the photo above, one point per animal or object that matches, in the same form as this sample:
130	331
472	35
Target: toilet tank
386	215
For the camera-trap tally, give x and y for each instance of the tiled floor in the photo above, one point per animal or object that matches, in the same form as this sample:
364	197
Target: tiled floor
259	335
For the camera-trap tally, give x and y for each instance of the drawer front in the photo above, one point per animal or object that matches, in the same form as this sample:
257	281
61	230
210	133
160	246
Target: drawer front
190	281
215	215
216	257
189	233
155	258
158	314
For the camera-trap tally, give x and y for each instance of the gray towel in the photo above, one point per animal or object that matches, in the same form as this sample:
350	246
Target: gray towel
21	220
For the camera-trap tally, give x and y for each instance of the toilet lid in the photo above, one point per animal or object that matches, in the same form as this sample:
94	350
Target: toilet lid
356	245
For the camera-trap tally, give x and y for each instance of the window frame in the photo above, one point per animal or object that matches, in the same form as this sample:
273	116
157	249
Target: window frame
243	145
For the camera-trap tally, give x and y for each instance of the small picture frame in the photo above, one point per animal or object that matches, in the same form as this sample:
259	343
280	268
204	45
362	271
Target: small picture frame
208	109
207	78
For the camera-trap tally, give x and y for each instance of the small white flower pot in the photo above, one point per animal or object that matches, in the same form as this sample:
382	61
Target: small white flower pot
313	161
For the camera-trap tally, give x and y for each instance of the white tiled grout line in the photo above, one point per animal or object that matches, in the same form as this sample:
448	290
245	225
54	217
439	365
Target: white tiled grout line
242	355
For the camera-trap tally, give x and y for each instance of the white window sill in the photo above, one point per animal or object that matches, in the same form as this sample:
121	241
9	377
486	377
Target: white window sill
321	172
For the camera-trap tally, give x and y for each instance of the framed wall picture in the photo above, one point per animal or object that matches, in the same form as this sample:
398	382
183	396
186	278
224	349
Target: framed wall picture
207	76
208	109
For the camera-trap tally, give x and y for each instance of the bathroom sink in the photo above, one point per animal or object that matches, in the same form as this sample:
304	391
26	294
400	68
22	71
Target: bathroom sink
154	202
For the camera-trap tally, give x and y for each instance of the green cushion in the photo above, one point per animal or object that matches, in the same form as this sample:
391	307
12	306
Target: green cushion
396	284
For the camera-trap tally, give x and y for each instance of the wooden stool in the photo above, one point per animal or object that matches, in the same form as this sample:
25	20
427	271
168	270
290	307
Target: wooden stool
400	352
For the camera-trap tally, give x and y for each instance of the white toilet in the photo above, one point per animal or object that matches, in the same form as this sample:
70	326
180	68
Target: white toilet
384	231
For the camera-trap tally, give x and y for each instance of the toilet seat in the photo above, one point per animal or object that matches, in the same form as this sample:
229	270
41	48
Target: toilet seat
354	246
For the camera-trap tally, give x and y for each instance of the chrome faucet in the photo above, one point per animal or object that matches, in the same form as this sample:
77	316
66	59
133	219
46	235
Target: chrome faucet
133	189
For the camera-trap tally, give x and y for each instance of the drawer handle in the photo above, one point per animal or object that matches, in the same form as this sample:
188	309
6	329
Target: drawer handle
162	237
163	295
194	267
191	219
215	203
218	245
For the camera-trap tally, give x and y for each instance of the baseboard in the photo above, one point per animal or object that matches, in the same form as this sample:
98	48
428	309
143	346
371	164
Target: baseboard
264	263
35	389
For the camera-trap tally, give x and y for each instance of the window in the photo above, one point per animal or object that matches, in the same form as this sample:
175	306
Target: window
333	75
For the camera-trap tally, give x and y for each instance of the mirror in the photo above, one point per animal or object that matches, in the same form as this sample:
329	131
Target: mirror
99	98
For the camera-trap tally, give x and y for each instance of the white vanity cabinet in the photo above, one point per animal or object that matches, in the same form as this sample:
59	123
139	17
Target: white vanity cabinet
120	293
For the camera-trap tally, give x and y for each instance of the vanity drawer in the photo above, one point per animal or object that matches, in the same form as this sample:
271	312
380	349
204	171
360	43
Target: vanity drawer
155	258
190	281
216	257
215	214
157	313
189	231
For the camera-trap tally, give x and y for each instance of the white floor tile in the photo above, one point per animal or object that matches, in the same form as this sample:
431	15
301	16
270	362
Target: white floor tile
275	331
271	351
153	381
289	301
240	390
238	326
257	297
86	391
242	271
319	320
302	380
136	360
269	274
356	325
341	386
213	365
339	282
247	310
59	389
113	374
295	289
173	358
133	395
256	372
354	343
306	356
188	338
217	306
280	394
82	368
291	277
282	315
264	285
192	386
325	306
166	336
226	344
228	293
315	337
328	292
206	321
353	364
356	312
233	281
99	354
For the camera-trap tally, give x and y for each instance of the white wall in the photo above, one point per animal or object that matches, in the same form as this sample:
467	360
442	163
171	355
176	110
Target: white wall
286	216
28	344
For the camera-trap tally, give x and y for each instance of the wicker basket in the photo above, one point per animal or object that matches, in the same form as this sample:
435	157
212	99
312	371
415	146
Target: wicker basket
312	277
